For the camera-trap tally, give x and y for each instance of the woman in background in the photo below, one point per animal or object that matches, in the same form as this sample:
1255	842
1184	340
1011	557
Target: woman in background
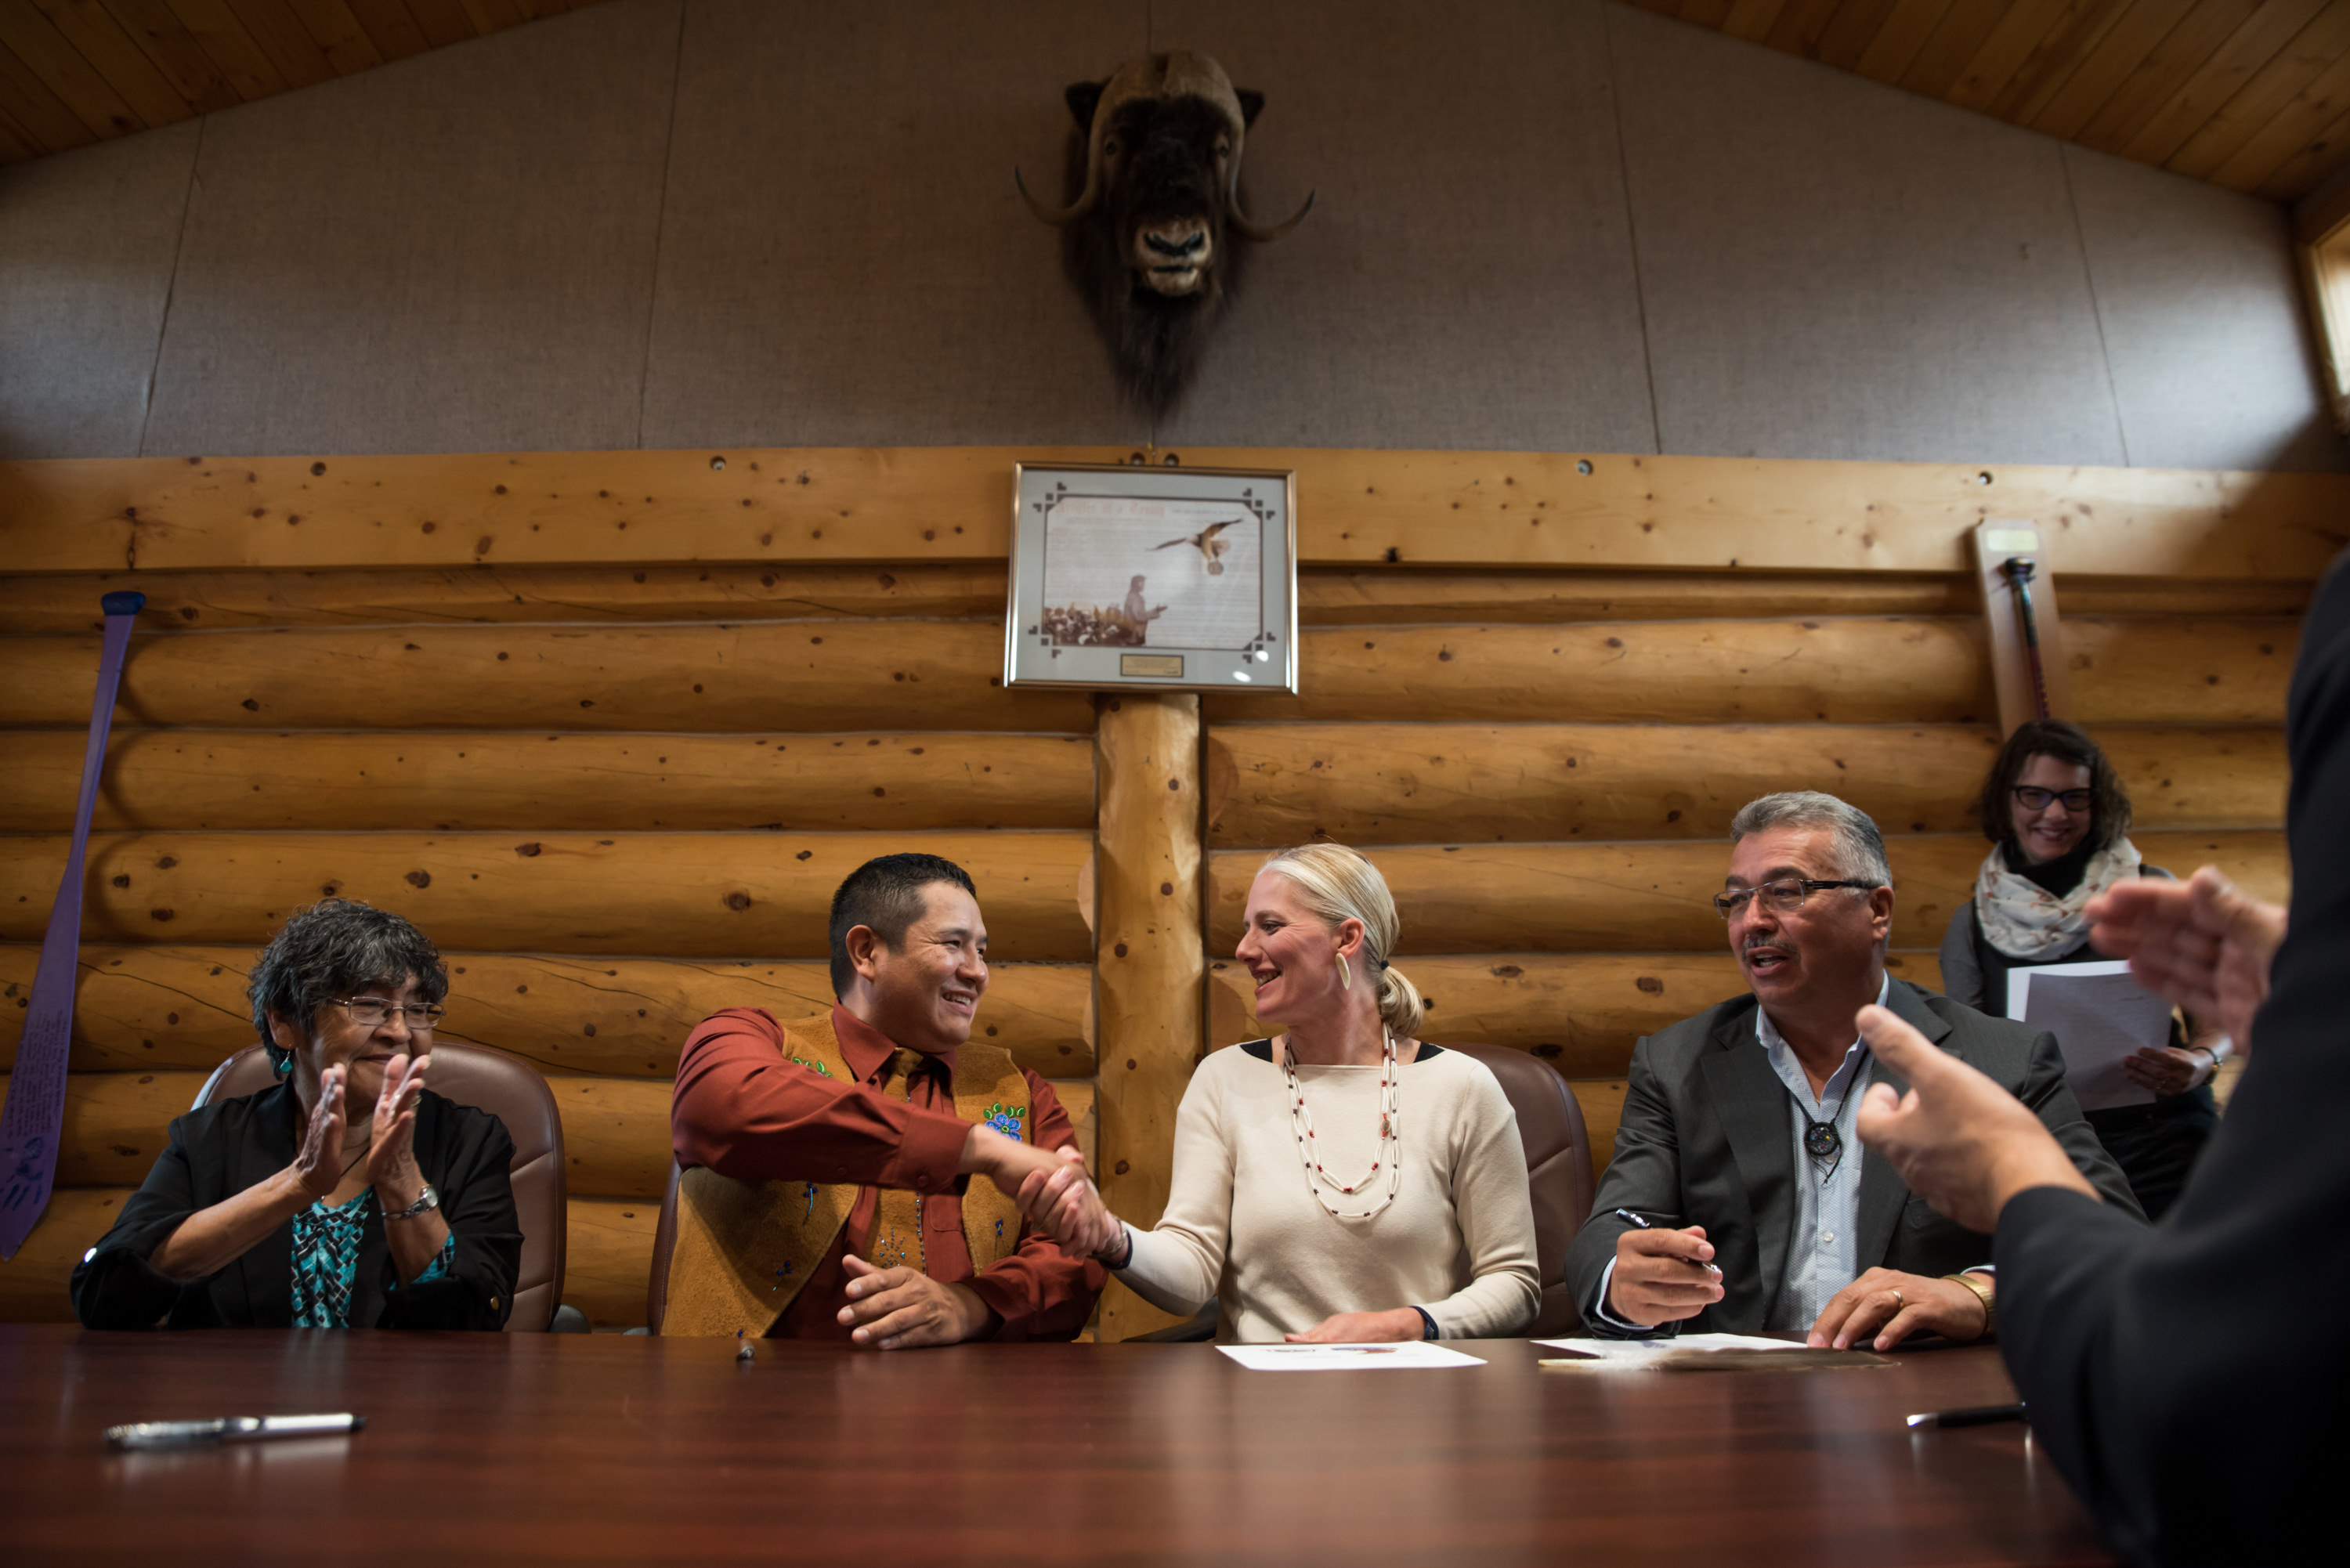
346	1195
2057	818
1344	1182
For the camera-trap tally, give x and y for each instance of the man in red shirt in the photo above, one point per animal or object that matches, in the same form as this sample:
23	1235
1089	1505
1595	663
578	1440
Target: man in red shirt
826	1191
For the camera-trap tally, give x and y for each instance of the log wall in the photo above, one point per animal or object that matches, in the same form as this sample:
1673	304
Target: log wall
611	726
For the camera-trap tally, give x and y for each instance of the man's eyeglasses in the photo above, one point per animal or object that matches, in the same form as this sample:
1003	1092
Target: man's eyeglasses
370	1011
2031	797
1783	897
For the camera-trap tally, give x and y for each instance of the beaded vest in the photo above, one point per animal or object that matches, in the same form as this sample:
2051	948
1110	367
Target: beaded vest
744	1248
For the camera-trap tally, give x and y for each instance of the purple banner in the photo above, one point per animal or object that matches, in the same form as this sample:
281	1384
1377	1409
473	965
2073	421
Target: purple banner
34	1115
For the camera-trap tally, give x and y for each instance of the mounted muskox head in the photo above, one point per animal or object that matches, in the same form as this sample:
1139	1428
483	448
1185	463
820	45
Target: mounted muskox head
1153	205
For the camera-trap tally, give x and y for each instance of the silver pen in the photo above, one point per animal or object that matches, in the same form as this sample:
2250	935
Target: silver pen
229	1429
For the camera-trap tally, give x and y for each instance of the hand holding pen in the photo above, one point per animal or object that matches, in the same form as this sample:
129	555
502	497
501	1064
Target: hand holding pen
1661	1276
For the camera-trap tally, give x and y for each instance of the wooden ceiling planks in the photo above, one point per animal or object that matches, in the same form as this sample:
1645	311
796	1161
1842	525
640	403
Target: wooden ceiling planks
73	72
2253	95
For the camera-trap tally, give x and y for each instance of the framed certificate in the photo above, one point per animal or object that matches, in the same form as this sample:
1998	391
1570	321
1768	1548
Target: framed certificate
1183	578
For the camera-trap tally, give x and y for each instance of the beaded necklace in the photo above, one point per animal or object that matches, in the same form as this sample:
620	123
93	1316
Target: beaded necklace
1391	1139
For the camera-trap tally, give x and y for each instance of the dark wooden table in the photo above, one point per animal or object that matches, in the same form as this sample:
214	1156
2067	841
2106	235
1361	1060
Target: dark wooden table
504	1448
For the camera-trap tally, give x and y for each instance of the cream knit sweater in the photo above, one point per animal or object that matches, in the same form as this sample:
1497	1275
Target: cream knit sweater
1241	1226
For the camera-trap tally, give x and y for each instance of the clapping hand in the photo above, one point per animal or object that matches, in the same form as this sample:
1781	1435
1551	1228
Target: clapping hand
318	1164
2205	944
391	1148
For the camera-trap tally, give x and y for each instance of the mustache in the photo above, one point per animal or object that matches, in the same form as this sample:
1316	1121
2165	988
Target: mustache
1773	943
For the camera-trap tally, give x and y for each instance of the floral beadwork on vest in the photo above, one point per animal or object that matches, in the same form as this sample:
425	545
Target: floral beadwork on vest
1006	1120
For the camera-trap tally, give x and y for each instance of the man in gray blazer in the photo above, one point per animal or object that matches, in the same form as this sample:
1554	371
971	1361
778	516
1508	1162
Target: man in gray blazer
1737	1145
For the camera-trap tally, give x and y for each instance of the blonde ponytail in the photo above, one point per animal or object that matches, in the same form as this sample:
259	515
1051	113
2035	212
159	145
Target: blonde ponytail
1337	884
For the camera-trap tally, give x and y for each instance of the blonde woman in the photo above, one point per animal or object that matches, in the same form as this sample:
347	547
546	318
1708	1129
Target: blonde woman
1343	1182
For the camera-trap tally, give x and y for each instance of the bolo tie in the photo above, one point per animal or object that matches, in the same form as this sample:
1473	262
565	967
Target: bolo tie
1822	1141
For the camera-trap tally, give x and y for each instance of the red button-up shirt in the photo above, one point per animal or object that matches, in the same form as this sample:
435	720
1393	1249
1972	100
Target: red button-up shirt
743	1112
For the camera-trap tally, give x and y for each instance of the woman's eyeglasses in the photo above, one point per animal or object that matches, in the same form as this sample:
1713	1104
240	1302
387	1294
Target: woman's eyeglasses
2031	797
370	1011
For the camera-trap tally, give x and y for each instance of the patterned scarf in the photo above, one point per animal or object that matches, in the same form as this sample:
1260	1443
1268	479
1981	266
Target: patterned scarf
2025	920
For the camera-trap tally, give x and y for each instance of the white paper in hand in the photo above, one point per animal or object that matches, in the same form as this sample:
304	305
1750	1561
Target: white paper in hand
1402	1356
2100	1016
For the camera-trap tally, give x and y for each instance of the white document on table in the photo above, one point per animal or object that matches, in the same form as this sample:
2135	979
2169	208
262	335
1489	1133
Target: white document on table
1402	1356
1633	1350
2100	1016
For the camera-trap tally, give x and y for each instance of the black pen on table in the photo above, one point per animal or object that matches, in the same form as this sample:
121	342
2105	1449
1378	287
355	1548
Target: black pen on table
230	1429
1627	1215
1978	1415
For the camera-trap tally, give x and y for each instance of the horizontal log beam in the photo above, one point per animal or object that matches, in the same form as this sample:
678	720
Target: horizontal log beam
616	1131
609	1259
1655	897
139	1008
693	895
1758	671
953	504
1327	596
554	783
1582	1012
760	680
2168	671
424	595
1402	783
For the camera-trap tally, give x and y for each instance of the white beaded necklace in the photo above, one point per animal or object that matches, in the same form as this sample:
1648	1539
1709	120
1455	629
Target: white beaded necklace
1391	1151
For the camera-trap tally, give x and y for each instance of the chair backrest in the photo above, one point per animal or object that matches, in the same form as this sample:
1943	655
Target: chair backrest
664	1243
510	1089
1558	1172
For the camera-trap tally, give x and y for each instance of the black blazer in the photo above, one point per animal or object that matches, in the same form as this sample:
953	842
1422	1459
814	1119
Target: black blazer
225	1147
2188	1381
1705	1141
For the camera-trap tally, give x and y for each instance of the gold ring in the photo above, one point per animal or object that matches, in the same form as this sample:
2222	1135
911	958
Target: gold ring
1896	1299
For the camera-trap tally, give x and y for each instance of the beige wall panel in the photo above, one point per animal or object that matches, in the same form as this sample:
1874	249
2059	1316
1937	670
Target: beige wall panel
227	779
759	678
2164	672
608	1258
33	1282
1833	670
141	1008
1581	1013
1401	783
668	894
1654	897
208	601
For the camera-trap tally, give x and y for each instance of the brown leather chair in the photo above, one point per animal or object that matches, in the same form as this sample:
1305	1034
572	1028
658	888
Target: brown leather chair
664	1243
511	1090
1558	1175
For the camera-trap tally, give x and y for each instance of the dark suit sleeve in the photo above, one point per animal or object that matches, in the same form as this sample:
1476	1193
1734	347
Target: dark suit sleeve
1644	1176
2044	1090
469	1168
113	1287
1963	976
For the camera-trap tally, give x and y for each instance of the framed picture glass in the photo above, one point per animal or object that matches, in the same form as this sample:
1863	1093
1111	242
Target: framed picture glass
1184	578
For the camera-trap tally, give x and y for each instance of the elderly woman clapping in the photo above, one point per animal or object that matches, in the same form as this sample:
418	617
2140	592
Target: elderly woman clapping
344	1196
1345	1182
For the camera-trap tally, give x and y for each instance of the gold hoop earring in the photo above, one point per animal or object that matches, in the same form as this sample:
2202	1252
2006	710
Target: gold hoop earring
1345	975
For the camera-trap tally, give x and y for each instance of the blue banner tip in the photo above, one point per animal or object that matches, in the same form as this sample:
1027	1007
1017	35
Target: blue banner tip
123	603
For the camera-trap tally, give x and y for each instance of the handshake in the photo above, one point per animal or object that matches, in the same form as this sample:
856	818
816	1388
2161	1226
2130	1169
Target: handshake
1051	1189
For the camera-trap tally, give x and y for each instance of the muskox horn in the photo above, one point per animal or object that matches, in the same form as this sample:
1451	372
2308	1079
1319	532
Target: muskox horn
1077	208
1263	233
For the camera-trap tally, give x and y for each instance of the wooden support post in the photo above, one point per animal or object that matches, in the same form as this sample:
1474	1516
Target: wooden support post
1148	969
1997	542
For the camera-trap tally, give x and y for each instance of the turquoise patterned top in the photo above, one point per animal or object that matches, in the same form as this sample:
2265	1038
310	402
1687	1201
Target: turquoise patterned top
327	1261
